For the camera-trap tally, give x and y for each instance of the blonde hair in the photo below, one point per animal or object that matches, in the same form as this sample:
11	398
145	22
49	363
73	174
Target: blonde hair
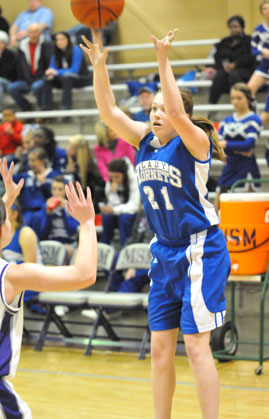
100	130
83	156
262	4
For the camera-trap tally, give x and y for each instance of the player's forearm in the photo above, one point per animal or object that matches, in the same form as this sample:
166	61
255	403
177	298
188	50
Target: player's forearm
86	258
103	93
171	95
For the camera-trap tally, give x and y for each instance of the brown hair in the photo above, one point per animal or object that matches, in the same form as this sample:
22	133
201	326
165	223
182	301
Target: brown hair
243	87
262	4
203	123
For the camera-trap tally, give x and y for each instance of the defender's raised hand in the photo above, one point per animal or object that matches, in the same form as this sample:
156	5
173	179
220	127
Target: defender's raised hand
12	189
77	205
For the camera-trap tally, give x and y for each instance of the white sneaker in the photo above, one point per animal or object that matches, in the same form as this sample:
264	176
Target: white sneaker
91	314
61	310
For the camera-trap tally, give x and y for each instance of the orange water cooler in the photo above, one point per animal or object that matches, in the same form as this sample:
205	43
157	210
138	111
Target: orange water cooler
244	220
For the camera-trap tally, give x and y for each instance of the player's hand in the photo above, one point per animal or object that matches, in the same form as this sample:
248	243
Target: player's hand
163	45
77	205
12	189
95	51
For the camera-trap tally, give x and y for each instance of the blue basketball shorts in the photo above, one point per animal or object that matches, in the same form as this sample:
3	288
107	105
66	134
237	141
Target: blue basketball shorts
263	69
188	283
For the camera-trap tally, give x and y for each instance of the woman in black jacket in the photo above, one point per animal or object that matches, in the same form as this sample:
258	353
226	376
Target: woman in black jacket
233	59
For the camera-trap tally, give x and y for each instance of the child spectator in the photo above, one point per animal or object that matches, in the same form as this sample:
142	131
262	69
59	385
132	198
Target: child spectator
123	199
22	152
55	223
44	137
37	186
67	69
109	147
145	97
238	134
82	168
10	133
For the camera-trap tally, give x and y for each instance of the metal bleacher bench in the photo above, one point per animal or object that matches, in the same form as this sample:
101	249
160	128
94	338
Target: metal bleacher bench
136	256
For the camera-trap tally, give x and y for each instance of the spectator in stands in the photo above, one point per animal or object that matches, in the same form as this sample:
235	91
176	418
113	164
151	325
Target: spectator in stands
4	24
24	245
267	152
82	168
122	196
32	61
36	13
238	134
134	280
37	186
233	59
21	154
7	65
77	31
260	49
146	96
10	133
44	137
55	223
109	147
67	69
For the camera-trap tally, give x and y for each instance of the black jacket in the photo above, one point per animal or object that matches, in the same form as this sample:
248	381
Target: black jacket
42	56
240	53
8	65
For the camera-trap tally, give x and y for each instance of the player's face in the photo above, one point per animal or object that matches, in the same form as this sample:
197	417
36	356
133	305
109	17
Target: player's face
160	124
239	101
57	190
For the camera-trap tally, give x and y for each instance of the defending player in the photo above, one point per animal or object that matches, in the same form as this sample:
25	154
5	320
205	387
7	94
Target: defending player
14	279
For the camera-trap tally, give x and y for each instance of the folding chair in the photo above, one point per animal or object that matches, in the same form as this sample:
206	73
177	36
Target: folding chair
55	254
135	256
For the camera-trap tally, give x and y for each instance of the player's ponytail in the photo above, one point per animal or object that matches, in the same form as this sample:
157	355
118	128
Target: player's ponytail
203	123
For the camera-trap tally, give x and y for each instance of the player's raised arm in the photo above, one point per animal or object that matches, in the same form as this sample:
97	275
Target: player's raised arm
131	131
64	278
193	137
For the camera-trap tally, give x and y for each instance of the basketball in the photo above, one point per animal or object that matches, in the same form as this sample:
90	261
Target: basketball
96	13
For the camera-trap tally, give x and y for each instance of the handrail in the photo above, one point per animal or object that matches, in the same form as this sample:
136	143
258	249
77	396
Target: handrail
237	182
188	43
94	112
154	64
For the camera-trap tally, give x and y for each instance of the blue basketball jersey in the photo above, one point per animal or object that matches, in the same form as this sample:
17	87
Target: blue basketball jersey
259	40
11	326
13	252
173	189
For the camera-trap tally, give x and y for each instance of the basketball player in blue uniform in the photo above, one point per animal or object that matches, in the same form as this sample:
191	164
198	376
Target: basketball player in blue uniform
239	134
14	279
190	263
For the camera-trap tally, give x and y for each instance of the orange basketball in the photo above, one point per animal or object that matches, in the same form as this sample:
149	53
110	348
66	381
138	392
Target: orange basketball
96	13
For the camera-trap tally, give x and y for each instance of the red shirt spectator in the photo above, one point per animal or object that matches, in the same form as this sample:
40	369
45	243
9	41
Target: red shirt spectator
10	132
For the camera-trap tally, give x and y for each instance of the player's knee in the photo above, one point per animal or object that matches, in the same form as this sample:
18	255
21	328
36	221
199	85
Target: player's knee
161	354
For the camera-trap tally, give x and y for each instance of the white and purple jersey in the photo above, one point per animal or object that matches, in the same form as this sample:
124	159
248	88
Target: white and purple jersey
173	189
11	327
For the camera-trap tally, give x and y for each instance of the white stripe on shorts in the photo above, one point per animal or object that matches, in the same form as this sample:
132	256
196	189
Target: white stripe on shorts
204	319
